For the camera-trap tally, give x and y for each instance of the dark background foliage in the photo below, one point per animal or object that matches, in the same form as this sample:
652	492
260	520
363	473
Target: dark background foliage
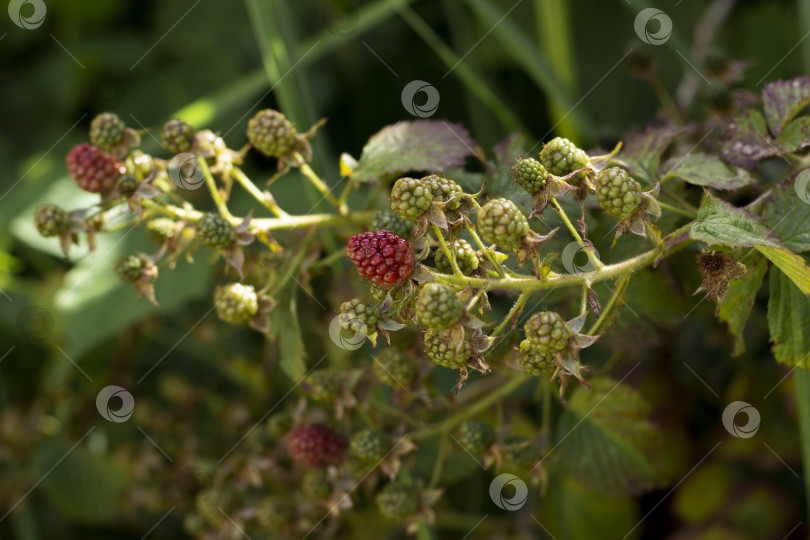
149	61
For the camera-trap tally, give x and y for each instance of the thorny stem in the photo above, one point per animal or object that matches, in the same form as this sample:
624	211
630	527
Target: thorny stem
527	283
450	256
487	252
214	190
262	198
618	292
472	410
321	186
515	311
588	248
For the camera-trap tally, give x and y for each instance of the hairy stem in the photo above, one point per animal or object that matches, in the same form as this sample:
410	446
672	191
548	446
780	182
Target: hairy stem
214	190
515	311
489	255
587	247
447	253
262	198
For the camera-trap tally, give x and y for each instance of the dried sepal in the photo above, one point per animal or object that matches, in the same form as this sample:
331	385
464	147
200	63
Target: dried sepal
717	269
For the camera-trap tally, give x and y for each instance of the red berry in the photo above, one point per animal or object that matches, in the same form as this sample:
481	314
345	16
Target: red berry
315	445
92	169
383	258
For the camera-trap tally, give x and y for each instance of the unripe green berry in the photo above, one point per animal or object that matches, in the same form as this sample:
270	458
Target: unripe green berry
393	368
530	175
358	317
438	306
547	331
465	255
236	303
370	445
127	185
619	195
444	351
51	220
129	268
398	501
177	136
388	220
444	190
315	484
323	385
535	359
501	222
215	231
476	436
410	198
561	157
271	133
159	230
106	130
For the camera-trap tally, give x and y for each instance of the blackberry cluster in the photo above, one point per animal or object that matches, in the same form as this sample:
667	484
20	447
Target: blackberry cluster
236	303
465	255
438	306
388	220
51	220
547	330
410	198
536	361
177	136
619	195
562	157
445	352
357	317
215	231
530	175
107	130
501	222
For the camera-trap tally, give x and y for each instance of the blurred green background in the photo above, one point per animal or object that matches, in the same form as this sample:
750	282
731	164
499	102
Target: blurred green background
543	67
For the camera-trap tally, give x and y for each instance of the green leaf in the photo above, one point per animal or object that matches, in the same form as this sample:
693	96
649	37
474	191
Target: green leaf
721	223
703	170
607	517
286	327
424	145
739	300
83	486
643	151
783	100
792	265
788	321
788	217
606	440
795	136
748	141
